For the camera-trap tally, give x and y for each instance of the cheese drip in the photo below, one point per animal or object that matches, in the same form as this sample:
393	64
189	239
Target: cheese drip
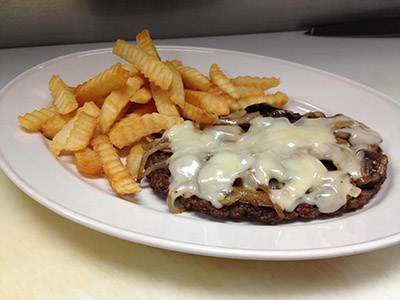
206	163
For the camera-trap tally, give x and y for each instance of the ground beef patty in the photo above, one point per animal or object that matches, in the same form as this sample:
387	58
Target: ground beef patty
375	166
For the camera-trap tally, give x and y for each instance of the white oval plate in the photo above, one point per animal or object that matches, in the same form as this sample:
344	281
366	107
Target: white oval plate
144	218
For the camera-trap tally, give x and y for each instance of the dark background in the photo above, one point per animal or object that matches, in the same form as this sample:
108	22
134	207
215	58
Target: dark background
46	22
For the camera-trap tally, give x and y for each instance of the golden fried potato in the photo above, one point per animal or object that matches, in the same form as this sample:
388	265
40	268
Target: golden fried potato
128	131
142	95
141	110
131	69
145	43
128	103
116	101
176	63
193	79
119	178
263	83
64	98
197	114
222	81
82	132
176	90
102	84
233	104
278	99
91	109
249	91
209	102
151	67
134	158
59	141
136	82
52	126
69	116
33	121
163	103
215	90
147	108
88	161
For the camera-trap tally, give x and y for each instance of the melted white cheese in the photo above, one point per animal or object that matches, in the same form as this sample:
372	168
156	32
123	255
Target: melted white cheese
207	163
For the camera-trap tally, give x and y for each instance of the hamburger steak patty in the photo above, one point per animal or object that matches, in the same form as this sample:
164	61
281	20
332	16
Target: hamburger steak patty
375	167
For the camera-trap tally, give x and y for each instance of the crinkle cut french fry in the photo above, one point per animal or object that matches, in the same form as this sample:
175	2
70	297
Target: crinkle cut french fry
117	101
147	108
193	79
33	121
64	98
128	103
88	161
142	95
129	131
197	114
163	103
222	81
233	105
145	43
119	178
278	99
209	102
131	69
176	90
176	63
52	126
82	132
91	109
59	141
249	91
263	83
151	67
215	90
102	84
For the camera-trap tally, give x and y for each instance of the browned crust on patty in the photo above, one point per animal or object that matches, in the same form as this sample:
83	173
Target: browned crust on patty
159	182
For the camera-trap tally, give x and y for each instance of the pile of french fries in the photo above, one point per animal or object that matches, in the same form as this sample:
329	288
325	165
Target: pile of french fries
125	105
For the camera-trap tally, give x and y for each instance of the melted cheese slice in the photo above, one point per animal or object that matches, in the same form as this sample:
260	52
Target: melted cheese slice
206	163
